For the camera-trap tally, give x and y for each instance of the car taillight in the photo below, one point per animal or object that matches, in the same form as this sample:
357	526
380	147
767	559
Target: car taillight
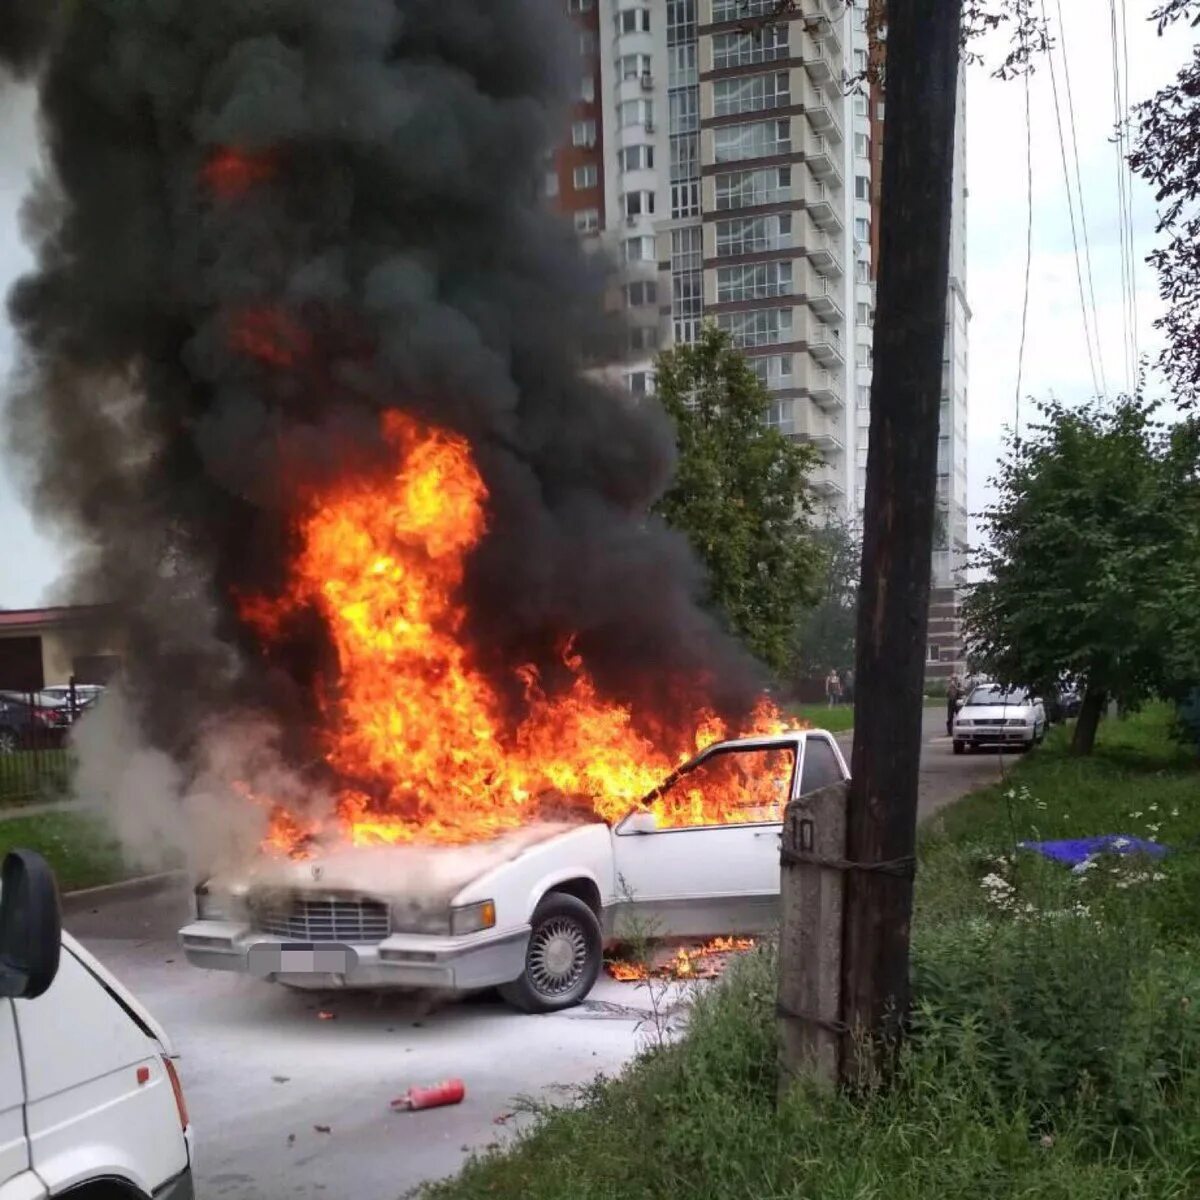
177	1088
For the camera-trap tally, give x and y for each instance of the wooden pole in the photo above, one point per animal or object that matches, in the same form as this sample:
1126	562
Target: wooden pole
922	52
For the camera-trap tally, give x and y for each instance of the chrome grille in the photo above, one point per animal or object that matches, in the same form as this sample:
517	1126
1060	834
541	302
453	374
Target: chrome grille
324	919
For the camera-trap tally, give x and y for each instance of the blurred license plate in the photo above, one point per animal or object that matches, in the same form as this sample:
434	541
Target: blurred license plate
270	958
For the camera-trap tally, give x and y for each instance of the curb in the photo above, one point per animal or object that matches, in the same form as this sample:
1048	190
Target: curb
143	885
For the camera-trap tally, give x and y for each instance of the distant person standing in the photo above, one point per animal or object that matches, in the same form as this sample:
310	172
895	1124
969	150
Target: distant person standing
833	688
954	692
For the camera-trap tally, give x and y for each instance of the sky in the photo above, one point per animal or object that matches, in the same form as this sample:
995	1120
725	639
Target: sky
1056	360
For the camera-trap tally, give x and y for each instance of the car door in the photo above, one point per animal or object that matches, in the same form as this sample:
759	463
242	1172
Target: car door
705	880
16	1178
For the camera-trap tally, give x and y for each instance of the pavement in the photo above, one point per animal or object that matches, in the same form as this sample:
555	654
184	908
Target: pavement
287	1104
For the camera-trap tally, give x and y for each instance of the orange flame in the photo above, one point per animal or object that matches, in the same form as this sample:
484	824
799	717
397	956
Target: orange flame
415	720
688	962
230	173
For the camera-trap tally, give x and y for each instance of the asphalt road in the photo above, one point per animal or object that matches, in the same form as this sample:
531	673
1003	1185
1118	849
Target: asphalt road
265	1076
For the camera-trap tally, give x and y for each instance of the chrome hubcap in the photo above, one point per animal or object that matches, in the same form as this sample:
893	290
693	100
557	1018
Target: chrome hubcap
557	956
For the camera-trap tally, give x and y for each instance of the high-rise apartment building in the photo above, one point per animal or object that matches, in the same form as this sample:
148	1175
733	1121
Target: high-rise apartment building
733	173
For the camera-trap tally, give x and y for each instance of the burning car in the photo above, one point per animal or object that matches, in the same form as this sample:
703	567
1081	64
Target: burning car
532	910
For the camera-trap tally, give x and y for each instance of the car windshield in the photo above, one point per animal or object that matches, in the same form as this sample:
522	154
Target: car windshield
998	695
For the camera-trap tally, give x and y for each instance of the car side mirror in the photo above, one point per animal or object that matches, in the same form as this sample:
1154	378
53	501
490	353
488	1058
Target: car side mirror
642	821
30	926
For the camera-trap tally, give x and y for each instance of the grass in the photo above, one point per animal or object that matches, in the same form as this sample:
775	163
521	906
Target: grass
79	846
1055	1048
820	716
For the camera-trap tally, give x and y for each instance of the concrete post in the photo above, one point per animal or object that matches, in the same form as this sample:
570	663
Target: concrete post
810	940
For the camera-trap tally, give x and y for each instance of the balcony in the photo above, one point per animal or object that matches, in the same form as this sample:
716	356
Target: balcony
825	345
822	157
819	65
827	482
823	390
822	299
811	425
823	253
824	206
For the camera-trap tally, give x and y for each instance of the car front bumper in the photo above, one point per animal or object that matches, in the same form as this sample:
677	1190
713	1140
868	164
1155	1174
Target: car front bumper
995	735
413	961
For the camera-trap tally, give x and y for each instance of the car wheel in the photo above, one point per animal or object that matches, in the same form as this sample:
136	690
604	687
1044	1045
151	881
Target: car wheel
562	963
959	747
8	742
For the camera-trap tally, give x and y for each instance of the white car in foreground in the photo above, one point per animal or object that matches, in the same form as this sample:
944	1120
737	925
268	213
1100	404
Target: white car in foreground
995	716
531	911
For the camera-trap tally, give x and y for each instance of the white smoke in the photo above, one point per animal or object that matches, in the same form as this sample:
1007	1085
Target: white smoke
212	818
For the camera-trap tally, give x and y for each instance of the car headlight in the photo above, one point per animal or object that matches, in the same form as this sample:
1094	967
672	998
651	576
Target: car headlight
1019	721
472	918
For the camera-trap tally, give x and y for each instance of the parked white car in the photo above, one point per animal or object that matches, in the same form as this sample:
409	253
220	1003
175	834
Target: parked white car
90	1102
530	912
995	716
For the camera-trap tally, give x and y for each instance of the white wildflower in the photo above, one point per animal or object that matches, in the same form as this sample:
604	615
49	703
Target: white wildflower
1174	812
1084	867
1120	843
1154	808
1135	815
1158	877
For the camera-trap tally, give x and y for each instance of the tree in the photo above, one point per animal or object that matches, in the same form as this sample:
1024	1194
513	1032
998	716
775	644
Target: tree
825	631
740	493
1091	558
1167	156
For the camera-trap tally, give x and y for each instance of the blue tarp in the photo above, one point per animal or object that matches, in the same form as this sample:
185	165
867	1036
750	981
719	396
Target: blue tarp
1073	851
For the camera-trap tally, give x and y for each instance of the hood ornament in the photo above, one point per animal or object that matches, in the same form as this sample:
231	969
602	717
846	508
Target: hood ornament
317	872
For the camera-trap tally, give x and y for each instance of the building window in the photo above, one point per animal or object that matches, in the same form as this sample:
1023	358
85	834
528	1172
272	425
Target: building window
586	177
862	187
862	229
643	338
747	189
639	204
753	235
682	70
752	93
636	112
735	10
637	158
685	109
754	281
634	20
551	183
587	88
587	220
773	370
580	6
862	354
862	271
685	199
681	21
933	653
879	111
640	293
639	382
862	145
633	66
863	314
860	105
588	43
864	395
758	139
758	326
638	249
860	62
743	49
583	133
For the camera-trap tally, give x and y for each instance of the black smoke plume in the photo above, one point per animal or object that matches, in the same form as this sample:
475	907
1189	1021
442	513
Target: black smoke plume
266	221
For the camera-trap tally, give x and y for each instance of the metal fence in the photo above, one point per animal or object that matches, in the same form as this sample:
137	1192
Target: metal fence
34	759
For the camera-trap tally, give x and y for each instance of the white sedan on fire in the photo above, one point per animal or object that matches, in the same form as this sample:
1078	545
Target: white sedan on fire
530	912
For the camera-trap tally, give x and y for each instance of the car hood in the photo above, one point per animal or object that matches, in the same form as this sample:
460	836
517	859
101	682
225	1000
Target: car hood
995	712
424	874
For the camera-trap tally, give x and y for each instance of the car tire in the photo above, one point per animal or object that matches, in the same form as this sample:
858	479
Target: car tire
959	747
564	957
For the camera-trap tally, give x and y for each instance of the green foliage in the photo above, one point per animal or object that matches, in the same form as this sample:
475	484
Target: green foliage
825	631
1092	554
838	719
740	493
79	846
1056	1050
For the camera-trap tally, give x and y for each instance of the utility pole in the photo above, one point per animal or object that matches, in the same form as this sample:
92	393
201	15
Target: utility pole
921	83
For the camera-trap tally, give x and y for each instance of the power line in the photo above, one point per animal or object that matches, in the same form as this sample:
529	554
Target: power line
1028	255
1122	195
1062	147
1087	245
